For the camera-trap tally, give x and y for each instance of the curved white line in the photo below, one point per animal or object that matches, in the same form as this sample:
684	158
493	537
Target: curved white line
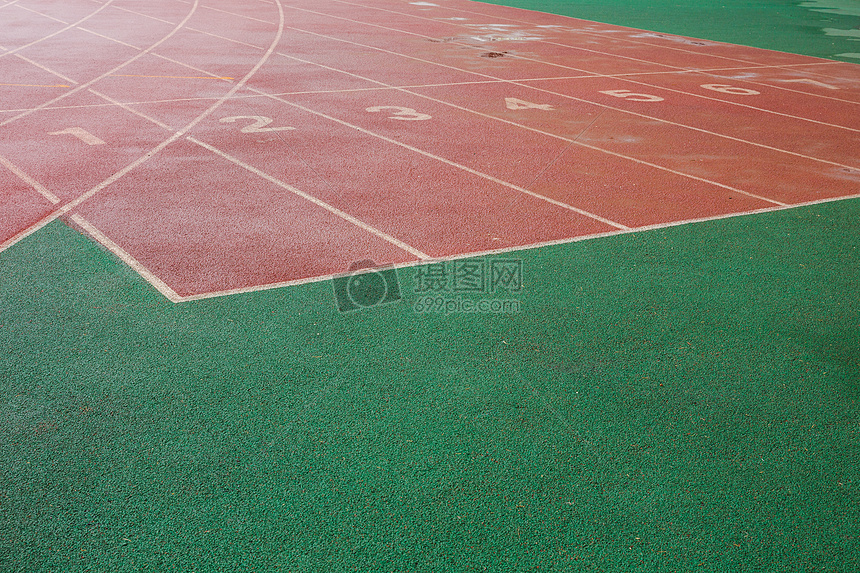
60	31
86	85
154	151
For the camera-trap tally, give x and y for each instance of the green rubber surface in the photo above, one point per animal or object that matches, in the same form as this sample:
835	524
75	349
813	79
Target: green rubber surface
822	28
684	399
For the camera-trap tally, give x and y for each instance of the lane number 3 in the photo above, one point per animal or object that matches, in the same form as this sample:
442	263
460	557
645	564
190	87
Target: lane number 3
401	113
258	126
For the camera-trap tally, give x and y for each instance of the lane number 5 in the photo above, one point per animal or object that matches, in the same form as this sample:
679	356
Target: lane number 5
627	94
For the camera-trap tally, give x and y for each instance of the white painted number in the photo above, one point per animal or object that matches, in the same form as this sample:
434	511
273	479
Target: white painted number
812	82
81	134
514	103
401	113
259	125
627	94
724	89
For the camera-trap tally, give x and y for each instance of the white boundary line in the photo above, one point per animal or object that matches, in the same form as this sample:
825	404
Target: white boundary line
620	231
118	175
125	257
647	228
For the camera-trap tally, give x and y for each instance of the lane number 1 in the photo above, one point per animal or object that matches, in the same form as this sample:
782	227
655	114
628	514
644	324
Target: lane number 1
81	134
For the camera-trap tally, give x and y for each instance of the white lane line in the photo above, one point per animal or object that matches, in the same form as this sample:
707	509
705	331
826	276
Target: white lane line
387	86
764	81
339	213
520	248
42	14
436	157
739	104
237	15
595	33
151	17
60	31
46	69
130	109
343	215
82	29
690	127
601	35
71	205
519	83
134	58
125	257
549	134
598	74
29	180
448	162
609	54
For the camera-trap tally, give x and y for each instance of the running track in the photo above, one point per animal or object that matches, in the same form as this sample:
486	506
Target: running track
220	147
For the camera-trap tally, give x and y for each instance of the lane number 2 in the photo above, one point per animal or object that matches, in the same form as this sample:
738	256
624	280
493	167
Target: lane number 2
401	113
258	126
628	95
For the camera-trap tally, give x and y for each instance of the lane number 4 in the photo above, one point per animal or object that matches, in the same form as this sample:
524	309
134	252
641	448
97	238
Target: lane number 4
514	103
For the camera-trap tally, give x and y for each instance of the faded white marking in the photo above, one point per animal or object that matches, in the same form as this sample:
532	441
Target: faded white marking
81	134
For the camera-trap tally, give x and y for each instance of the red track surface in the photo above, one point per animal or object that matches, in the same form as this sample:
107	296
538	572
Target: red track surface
419	130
